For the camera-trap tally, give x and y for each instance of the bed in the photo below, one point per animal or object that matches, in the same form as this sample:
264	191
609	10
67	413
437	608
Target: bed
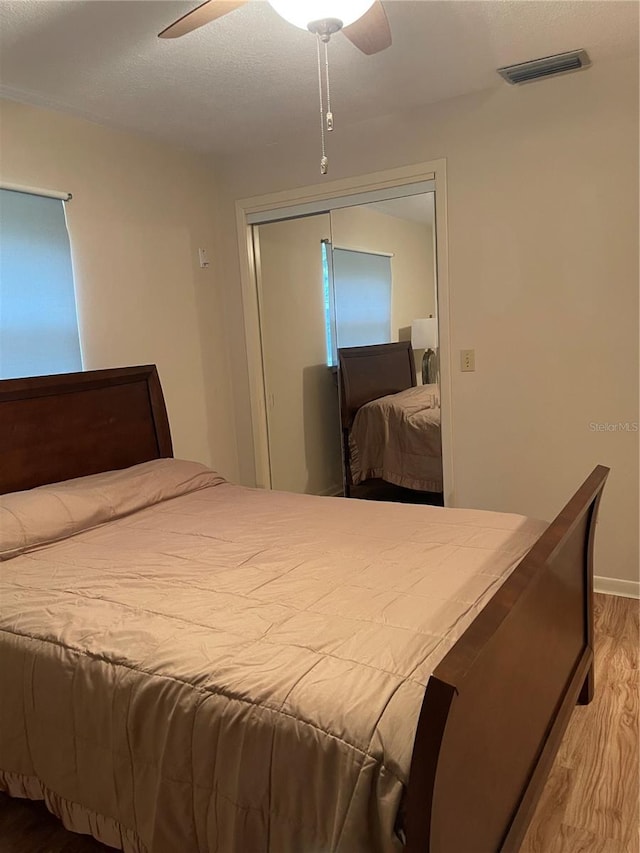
390	425
130	708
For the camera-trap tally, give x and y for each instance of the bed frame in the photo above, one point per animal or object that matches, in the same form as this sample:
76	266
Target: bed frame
496	707
366	374
54	428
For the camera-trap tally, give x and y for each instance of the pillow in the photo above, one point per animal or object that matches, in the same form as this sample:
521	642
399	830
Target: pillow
50	513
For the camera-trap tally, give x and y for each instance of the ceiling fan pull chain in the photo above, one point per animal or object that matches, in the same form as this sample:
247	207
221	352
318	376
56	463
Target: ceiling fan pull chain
324	162
326	67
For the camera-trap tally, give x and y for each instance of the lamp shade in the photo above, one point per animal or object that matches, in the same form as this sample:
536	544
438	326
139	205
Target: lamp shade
424	333
301	13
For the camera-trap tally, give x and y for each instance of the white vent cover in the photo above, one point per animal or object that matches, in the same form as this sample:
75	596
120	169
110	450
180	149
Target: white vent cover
548	66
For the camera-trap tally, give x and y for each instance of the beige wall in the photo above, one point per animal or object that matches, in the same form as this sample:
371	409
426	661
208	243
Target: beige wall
140	210
410	243
543	254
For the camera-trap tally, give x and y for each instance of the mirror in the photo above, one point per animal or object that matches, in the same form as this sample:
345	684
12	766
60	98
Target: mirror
352	286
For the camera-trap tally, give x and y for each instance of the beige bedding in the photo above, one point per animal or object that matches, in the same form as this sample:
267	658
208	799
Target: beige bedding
230	670
397	438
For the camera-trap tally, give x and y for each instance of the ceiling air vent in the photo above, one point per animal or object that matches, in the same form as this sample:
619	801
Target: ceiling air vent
548	66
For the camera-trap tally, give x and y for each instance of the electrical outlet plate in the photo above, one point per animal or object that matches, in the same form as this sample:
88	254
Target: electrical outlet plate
467	360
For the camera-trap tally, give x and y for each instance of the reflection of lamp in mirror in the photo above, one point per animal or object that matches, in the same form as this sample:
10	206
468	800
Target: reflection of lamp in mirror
424	335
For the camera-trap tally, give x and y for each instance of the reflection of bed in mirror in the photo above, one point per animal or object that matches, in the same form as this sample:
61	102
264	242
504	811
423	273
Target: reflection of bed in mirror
390	425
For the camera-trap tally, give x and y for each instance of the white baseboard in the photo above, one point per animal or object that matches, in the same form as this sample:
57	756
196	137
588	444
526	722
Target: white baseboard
615	586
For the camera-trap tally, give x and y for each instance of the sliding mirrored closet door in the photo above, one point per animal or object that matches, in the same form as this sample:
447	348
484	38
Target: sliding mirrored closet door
358	276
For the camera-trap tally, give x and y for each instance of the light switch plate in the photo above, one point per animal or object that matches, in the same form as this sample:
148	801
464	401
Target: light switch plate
467	360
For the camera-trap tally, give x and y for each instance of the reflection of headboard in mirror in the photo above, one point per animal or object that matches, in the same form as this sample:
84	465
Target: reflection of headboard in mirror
367	373
55	428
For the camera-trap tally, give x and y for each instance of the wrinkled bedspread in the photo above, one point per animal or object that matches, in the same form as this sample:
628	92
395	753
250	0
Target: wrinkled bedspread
397	438
235	670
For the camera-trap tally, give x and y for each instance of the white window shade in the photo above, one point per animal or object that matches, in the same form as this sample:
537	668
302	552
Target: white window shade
362	285
38	318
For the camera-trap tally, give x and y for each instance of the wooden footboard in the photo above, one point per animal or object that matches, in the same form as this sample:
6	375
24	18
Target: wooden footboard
498	704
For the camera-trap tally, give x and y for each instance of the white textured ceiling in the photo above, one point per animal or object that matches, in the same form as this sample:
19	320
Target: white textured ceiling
250	78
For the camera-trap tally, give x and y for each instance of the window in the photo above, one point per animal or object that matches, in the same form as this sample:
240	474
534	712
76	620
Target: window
362	299
329	311
38	318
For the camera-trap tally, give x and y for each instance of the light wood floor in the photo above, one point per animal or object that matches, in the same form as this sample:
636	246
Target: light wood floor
590	803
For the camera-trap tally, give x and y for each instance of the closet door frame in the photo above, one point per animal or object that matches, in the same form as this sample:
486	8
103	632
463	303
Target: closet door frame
323	198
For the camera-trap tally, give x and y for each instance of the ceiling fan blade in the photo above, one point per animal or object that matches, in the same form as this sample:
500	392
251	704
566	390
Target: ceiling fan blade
370	33
198	17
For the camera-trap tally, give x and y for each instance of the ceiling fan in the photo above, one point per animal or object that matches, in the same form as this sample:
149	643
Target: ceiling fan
364	22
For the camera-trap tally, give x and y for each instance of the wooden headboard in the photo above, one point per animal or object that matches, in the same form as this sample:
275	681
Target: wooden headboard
367	373
54	428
